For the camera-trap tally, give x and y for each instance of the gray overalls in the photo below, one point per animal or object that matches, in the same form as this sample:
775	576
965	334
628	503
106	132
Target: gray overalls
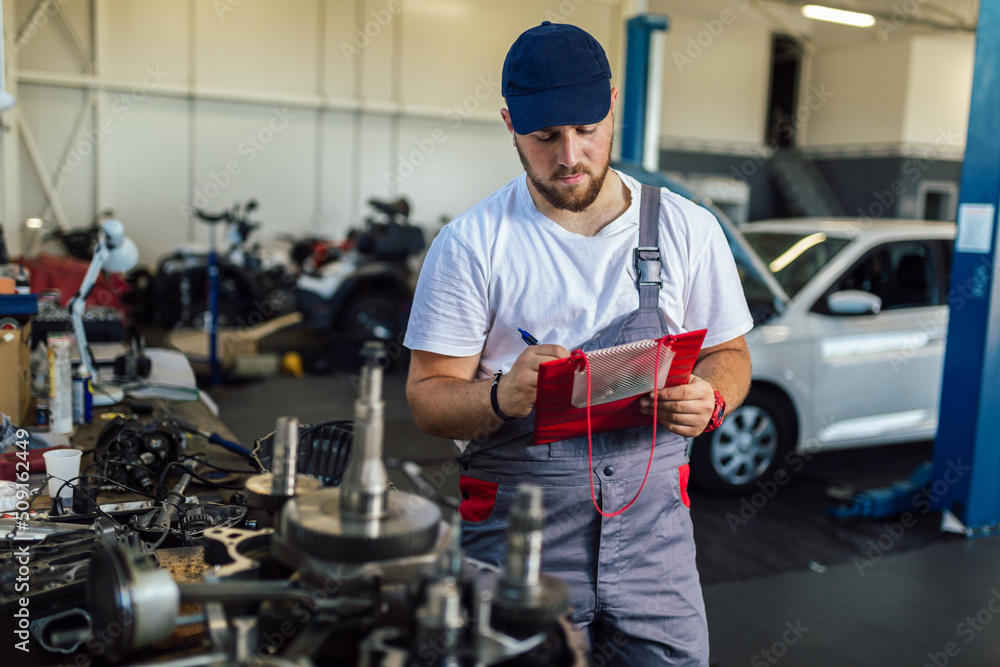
633	578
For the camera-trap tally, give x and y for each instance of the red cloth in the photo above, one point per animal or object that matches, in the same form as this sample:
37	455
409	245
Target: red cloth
685	473
478	498
65	273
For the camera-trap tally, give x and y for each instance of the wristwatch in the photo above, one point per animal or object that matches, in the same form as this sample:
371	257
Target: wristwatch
718	413
493	397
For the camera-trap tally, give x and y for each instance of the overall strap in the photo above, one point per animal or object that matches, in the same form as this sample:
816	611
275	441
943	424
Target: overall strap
646	257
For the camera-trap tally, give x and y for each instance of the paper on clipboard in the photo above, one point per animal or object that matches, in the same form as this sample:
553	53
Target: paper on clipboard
620	376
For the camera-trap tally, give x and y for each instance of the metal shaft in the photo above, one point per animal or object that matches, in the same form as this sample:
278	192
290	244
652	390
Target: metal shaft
365	484
285	456
523	566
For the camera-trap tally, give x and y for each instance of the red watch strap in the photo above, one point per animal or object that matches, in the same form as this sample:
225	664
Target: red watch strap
718	414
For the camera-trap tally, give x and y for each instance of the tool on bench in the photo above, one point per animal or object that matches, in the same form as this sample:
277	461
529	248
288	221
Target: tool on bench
213	438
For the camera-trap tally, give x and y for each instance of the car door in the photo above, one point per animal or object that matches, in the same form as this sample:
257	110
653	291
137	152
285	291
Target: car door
878	376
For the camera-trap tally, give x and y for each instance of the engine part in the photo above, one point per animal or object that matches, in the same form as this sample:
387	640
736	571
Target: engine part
526	599
363	520
62	632
231	550
129	592
270	491
324	451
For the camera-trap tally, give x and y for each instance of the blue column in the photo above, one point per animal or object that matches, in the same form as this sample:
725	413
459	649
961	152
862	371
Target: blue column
637	35
969	423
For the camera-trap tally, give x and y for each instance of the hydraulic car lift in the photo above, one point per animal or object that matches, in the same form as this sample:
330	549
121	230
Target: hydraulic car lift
964	479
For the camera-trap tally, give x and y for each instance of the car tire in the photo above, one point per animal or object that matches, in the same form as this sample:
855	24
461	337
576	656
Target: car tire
749	446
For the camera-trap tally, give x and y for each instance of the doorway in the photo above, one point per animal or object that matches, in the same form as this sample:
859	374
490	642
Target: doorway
786	62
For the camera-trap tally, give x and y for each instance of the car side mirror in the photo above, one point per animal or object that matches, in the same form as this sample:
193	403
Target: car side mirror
854	302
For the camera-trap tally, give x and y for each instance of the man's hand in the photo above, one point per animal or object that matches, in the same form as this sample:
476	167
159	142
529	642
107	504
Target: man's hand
685	409
518	388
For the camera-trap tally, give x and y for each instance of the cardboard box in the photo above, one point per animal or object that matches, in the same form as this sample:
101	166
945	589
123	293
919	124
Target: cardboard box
15	373
232	343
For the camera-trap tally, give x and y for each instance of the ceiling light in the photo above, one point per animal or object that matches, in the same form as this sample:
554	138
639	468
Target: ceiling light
820	13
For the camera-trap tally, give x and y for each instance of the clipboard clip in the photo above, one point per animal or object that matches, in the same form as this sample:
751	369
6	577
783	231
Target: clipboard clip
646	262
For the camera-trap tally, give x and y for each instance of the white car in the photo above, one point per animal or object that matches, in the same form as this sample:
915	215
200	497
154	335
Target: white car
848	347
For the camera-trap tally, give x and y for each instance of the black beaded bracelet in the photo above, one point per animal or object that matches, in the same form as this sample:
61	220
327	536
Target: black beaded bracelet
493	397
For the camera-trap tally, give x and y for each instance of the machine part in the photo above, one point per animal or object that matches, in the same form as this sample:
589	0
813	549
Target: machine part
879	503
261	492
193	519
527	601
315	524
324	451
62	632
229	550
362	520
366	483
441	622
285	457
35	530
129	592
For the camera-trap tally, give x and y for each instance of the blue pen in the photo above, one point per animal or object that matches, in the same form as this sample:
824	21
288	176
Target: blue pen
527	337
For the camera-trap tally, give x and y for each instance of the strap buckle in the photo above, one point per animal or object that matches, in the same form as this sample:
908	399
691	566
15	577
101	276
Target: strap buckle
646	261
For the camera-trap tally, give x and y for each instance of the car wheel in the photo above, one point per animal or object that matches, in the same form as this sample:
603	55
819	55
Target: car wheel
750	445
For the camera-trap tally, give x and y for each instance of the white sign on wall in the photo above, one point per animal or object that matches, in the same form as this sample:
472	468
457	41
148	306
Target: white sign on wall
975	228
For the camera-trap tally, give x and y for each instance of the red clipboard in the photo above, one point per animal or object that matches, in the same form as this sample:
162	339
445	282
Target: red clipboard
556	418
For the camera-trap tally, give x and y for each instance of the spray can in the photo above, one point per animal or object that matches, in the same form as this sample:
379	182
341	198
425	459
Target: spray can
83	396
60	384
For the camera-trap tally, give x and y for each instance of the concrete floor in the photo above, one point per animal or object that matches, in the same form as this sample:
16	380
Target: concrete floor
789	588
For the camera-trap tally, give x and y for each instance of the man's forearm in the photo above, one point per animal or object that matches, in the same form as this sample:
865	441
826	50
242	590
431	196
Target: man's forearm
453	408
728	371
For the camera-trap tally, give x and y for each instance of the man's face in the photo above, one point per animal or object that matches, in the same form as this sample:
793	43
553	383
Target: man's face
567	163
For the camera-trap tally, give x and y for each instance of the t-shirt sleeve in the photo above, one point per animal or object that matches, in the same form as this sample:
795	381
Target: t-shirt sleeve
451	312
716	301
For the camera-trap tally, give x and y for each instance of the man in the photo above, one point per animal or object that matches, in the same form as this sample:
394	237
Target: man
552	253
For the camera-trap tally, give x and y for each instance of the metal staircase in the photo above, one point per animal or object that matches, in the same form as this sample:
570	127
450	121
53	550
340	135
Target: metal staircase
802	184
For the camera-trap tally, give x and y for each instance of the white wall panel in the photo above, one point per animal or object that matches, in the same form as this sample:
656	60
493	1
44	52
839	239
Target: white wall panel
51	114
715	79
867	103
145	34
44	45
378	50
341	49
245	151
939	90
464	165
339	205
257	45
147	154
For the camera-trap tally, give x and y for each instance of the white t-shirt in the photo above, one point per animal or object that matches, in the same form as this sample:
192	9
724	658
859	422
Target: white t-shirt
503	265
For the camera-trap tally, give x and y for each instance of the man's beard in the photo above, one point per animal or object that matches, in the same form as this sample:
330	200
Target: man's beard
573	200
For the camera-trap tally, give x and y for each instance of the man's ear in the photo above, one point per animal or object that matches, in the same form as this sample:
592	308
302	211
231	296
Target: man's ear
506	119
614	97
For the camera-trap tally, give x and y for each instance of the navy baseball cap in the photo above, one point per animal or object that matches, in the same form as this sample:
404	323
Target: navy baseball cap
555	74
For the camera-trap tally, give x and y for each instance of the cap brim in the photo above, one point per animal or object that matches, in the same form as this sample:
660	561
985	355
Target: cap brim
581	104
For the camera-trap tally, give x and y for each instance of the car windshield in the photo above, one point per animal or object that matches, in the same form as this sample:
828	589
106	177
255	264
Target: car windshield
794	257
